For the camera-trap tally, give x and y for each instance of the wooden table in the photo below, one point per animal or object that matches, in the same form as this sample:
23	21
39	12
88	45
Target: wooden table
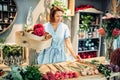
90	77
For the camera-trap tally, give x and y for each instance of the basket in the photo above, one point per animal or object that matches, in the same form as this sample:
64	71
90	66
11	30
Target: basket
29	40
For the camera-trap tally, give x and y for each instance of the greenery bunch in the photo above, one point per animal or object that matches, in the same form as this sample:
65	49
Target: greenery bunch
24	73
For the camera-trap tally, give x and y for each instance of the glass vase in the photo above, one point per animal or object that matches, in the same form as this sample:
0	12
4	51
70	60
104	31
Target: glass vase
108	48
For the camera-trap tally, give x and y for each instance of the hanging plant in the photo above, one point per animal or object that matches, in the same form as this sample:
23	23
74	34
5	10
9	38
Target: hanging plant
62	5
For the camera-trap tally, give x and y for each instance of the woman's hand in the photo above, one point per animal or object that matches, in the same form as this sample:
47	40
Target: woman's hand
78	58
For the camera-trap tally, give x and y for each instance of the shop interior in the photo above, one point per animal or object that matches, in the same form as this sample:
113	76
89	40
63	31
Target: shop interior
95	34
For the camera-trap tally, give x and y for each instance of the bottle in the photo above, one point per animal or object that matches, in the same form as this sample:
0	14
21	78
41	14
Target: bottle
5	7
0	7
0	28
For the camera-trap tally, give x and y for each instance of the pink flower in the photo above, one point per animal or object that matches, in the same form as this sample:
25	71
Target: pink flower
38	30
101	31
115	32
108	16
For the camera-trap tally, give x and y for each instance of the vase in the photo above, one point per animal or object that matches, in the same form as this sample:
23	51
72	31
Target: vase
108	48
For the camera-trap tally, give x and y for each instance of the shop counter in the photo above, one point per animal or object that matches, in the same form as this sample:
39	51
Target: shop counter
78	67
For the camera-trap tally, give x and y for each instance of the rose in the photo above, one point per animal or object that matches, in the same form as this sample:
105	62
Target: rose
101	31
115	32
38	30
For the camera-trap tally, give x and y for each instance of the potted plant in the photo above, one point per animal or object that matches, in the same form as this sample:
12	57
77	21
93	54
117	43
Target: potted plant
12	54
85	26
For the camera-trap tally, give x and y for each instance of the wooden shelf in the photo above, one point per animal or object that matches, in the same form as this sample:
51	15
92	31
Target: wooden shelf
8	13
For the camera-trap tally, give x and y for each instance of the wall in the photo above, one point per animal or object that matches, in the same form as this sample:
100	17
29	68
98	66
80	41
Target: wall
39	6
39	10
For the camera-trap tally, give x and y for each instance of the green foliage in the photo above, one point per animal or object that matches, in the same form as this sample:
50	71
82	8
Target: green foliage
86	21
95	62
32	73
2	40
109	25
104	70
14	74
26	73
10	50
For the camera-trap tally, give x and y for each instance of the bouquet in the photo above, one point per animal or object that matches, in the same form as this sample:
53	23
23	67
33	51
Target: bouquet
39	30
35	38
110	31
111	26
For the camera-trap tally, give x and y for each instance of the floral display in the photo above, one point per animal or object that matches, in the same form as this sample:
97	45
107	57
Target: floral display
83	7
59	75
38	30
110	31
111	26
33	37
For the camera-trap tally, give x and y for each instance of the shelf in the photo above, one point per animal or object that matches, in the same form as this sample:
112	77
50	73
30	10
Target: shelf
97	25
3	2
4	23
8	13
87	51
88	38
90	10
12	5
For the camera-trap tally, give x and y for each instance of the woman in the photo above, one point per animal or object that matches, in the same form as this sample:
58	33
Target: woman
60	33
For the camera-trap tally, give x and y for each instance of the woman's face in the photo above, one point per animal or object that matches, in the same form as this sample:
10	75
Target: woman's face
58	16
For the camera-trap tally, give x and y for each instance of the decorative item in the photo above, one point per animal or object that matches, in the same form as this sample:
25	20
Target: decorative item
35	38
6	20
110	30
29	20
0	28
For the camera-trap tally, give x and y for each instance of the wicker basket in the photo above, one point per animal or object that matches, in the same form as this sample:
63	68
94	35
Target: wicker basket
29	40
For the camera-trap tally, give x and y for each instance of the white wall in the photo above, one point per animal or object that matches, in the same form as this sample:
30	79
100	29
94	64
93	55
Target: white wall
39	8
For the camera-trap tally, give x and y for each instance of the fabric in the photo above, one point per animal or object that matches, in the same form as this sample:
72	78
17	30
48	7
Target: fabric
55	53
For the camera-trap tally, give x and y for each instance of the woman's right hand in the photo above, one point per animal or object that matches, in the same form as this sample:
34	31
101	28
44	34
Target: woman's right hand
78	58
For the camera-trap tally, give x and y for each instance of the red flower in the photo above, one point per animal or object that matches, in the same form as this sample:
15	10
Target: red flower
115	32
38	30
83	7
101	31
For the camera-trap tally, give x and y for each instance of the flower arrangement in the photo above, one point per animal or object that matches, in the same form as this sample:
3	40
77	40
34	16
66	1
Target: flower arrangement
110	30
35	37
38	30
111	26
